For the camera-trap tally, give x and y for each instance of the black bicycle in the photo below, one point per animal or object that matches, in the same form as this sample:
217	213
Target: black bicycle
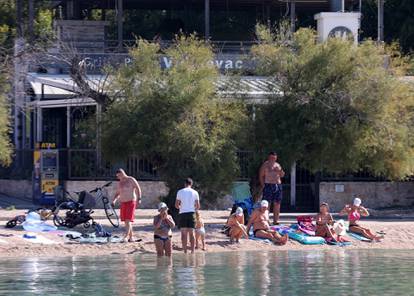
110	212
79	212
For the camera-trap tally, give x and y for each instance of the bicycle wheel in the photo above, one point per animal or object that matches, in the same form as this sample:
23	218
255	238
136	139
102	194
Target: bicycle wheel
58	221
110	213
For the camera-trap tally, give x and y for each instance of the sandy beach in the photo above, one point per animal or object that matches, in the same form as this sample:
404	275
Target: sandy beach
399	235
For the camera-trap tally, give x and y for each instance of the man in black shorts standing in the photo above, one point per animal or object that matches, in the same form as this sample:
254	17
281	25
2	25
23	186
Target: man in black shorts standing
187	202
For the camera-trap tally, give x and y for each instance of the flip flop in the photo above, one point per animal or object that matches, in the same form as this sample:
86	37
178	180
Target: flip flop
381	232
135	240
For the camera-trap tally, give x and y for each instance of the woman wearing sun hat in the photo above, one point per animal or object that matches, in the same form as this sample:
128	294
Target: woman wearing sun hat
163	225
237	227
261	228
355	212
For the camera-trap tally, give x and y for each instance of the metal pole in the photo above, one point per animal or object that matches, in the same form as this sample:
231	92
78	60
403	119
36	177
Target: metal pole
293	16
19	17
343	6
68	127
380	20
293	185
120	16
207	19
31	18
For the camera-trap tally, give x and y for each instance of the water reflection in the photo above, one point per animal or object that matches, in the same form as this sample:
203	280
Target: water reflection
337	271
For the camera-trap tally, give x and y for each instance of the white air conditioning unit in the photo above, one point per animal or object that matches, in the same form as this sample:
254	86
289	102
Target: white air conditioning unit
339	25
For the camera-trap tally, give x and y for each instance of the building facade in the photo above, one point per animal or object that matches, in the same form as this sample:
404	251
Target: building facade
50	107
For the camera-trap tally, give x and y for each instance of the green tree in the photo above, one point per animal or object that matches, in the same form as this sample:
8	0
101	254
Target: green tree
339	109
174	117
5	145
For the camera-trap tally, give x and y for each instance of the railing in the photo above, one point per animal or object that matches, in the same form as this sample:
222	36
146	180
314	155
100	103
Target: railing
112	46
87	164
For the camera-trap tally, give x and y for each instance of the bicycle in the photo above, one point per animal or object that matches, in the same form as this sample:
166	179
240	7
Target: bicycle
109	210
79	212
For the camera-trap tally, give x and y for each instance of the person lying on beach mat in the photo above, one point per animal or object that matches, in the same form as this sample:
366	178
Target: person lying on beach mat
236	225
261	227
354	213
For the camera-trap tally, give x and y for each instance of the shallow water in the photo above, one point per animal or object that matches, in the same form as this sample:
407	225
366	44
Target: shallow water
333	272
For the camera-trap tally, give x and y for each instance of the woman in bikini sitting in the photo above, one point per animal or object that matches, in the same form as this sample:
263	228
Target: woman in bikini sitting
324	222
354	213
261	228
163	225
237	227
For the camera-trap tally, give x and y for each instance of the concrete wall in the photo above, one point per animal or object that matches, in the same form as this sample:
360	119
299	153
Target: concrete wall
18	188
151	191
374	195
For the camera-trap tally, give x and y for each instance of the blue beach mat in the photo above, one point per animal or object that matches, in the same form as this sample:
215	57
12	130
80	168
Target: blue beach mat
339	244
358	237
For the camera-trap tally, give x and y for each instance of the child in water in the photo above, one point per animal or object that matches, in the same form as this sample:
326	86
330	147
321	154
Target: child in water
200	231
237	227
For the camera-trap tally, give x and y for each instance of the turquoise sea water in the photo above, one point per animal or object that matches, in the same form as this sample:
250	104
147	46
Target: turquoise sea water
333	272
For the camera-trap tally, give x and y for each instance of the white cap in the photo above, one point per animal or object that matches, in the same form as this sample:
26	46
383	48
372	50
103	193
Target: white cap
162	206
357	202
264	204
239	211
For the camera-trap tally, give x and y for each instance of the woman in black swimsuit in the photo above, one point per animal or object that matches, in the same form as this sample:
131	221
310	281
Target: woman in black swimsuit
163	225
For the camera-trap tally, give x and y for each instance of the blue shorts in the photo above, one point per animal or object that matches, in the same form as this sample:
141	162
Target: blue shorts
273	193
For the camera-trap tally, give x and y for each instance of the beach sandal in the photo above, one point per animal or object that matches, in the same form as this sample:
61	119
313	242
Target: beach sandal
381	232
135	240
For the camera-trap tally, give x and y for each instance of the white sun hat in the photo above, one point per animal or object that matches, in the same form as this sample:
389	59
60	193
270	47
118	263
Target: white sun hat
357	202
239	211
264	204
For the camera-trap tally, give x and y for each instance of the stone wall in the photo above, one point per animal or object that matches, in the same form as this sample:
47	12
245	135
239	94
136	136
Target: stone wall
374	195
151	191
18	188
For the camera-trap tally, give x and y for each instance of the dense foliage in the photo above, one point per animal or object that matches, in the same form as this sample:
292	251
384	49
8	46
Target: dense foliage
341	109
174	117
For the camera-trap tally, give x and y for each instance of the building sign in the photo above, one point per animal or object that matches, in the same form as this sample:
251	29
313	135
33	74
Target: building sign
224	62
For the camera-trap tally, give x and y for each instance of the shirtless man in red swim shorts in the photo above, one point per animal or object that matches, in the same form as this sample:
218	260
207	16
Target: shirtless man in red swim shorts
129	195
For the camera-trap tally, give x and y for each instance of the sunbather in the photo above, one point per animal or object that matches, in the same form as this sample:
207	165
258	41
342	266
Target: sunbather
163	223
326	228
261	228
354	213
237	227
324	222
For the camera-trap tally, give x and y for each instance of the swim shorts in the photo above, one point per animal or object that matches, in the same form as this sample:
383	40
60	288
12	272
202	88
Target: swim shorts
273	193
186	220
128	210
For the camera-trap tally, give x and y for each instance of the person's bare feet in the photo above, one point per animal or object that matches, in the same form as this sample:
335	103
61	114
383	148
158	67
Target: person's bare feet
283	240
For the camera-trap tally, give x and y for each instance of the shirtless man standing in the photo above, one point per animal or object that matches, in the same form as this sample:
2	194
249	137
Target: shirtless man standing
261	228
129	195
270	176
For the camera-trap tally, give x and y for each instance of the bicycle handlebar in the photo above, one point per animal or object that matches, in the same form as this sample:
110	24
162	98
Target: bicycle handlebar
98	188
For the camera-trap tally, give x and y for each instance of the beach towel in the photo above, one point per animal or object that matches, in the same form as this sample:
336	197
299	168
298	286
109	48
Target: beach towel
264	240
95	240
37	239
339	244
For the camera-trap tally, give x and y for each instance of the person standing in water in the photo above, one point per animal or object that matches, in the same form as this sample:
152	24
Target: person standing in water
129	195
187	202
270	175
163	225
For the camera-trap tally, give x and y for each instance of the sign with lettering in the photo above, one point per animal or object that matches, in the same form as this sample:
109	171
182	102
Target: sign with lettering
224	62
